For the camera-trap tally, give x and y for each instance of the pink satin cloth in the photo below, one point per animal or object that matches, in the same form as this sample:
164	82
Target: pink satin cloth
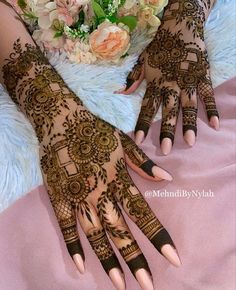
200	216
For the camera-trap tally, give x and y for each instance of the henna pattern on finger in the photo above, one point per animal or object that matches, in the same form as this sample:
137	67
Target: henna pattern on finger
101	246
206	94
139	210
136	155
170	112
150	104
136	72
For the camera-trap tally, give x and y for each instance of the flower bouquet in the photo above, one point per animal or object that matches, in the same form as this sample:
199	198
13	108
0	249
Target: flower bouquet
90	31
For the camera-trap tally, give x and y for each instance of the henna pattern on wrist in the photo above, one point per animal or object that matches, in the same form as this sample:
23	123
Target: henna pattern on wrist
191	11
28	73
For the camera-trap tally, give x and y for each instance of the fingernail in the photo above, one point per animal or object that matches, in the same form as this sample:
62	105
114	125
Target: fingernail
190	137
215	123
171	255
117	278
161	173
166	146
79	263
144	279
139	137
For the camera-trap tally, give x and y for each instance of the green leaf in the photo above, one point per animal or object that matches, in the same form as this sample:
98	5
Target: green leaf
112	19
58	34
22	4
130	21
99	12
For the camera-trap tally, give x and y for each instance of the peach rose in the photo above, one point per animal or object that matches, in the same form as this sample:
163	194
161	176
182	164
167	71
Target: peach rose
109	41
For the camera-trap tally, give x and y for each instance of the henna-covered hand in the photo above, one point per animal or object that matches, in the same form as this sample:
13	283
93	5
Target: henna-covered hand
83	161
176	67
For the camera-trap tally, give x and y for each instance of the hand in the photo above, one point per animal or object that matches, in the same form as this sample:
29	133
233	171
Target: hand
176	68
83	160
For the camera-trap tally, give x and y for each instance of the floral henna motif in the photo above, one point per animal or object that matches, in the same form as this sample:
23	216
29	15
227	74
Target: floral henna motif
191	11
151	103
184	65
45	94
178	61
170	109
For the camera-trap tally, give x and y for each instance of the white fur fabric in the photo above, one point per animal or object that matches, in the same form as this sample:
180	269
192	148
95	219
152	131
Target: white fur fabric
19	162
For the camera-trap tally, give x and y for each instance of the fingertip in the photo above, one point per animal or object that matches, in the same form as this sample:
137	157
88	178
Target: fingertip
166	146
190	137
139	137
117	278
161	173
144	279
79	263
120	91
170	253
215	123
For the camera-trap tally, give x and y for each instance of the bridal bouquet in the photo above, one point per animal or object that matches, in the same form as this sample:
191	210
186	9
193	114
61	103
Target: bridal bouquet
89	30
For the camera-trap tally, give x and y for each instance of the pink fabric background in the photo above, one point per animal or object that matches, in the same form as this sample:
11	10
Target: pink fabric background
33	254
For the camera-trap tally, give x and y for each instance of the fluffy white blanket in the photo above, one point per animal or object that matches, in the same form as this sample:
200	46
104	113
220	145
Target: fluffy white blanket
19	162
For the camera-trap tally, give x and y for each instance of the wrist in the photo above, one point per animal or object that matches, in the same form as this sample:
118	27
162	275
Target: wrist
188	16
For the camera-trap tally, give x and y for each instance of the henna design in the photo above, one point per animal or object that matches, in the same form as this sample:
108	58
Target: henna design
150	105
191	11
79	152
101	246
183	66
178	60
135	74
136	155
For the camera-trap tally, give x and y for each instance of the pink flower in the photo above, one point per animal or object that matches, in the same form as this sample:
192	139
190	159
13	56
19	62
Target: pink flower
68	11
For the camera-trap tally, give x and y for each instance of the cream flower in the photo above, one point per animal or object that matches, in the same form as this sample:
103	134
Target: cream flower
79	52
157	5
46	36
46	13
109	42
146	17
129	4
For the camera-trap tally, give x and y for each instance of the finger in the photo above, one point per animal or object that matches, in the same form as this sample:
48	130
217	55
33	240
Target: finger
189	111
140	162
150	105
67	221
142	215
119	232
135	77
170	112
206	94
99	242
